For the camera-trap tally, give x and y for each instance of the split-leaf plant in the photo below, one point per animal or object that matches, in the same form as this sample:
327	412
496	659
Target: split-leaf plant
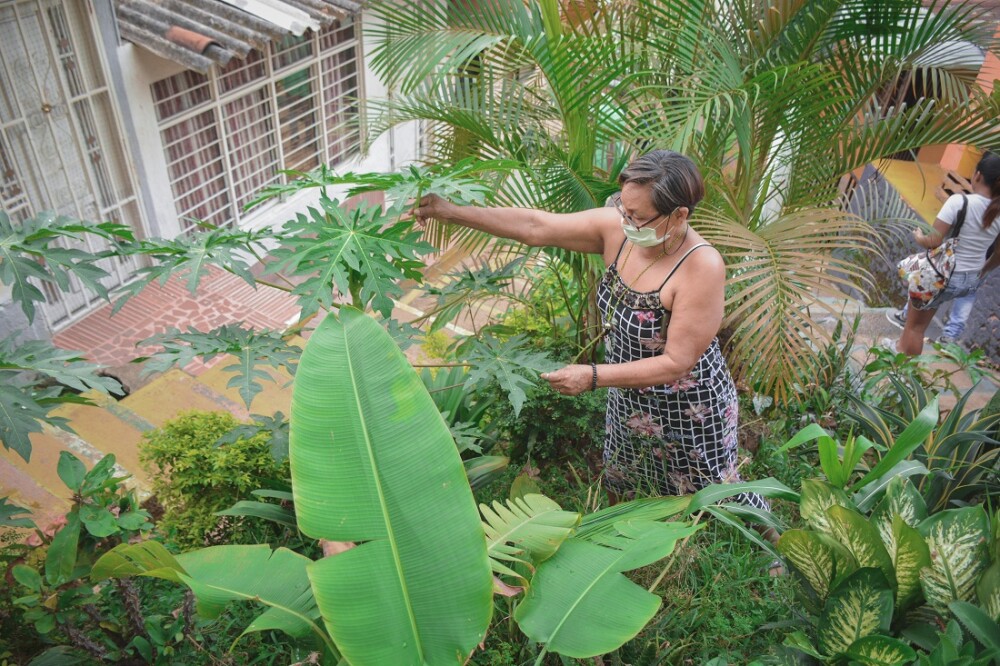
373	463
882	572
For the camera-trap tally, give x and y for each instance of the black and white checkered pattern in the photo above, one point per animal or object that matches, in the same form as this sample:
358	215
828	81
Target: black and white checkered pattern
670	439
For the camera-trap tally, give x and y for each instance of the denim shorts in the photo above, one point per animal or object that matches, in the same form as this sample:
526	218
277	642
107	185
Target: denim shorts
960	284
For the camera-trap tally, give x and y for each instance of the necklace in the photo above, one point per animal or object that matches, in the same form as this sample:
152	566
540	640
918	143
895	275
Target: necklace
666	251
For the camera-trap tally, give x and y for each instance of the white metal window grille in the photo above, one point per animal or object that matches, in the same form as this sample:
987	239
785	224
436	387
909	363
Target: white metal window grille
227	134
60	143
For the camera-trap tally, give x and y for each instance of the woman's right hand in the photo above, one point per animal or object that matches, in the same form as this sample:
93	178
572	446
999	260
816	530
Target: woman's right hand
433	206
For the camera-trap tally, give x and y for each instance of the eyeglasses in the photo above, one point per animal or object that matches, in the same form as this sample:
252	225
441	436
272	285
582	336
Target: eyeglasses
616	199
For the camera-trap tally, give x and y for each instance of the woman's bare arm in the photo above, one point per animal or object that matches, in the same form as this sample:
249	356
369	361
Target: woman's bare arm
584	231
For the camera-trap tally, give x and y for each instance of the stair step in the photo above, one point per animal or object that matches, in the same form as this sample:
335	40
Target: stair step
175	392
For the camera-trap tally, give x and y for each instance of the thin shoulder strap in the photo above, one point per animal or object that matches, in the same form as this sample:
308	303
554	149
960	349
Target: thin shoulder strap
678	264
618	256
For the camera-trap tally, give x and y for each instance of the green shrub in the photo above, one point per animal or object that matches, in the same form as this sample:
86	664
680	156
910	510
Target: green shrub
193	477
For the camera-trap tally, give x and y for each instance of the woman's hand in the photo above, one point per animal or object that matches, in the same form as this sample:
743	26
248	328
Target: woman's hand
433	206
571	380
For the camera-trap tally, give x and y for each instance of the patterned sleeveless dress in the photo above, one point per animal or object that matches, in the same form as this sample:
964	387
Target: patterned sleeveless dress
671	439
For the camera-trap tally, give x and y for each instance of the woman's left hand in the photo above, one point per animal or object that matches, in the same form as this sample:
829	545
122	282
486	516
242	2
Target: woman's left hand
570	380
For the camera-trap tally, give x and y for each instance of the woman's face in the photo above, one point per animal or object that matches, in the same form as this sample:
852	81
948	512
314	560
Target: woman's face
637	206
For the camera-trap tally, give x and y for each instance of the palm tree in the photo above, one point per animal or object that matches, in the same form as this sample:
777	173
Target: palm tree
777	102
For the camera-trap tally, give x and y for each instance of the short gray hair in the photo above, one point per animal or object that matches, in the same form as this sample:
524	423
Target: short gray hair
675	180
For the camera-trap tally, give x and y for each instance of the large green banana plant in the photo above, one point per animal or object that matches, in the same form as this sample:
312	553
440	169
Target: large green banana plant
373	463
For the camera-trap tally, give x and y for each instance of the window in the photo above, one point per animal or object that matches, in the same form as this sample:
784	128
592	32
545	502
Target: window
228	133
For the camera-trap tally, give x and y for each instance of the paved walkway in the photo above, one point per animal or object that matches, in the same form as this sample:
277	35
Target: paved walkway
116	426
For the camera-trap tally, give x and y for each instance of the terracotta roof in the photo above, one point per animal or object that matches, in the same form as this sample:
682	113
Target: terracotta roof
201	33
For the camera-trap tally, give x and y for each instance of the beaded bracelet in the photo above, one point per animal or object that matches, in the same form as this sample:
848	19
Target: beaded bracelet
593	380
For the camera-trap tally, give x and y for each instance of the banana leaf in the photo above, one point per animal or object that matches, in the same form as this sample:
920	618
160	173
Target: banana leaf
580	605
373	462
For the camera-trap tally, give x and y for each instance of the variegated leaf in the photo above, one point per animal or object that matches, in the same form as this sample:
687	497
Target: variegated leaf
988	591
860	606
910	556
902	498
820	559
817	497
957	541
859	536
880	651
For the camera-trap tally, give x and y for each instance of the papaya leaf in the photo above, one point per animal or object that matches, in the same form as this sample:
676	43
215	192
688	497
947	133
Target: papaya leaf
276	426
512	364
358	253
191	256
35	251
252	349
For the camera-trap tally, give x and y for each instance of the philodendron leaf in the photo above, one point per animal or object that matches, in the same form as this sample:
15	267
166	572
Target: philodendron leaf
957	541
817	497
880	651
568	606
910	555
532	524
854	531
860	606
819	558
373	462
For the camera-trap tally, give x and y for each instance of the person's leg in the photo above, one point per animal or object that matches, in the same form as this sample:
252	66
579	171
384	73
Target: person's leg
959	315
911	341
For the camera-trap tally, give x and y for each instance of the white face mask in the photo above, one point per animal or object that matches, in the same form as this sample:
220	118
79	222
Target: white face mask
645	237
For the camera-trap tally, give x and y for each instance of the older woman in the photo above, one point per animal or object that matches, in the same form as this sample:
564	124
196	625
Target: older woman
672	408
